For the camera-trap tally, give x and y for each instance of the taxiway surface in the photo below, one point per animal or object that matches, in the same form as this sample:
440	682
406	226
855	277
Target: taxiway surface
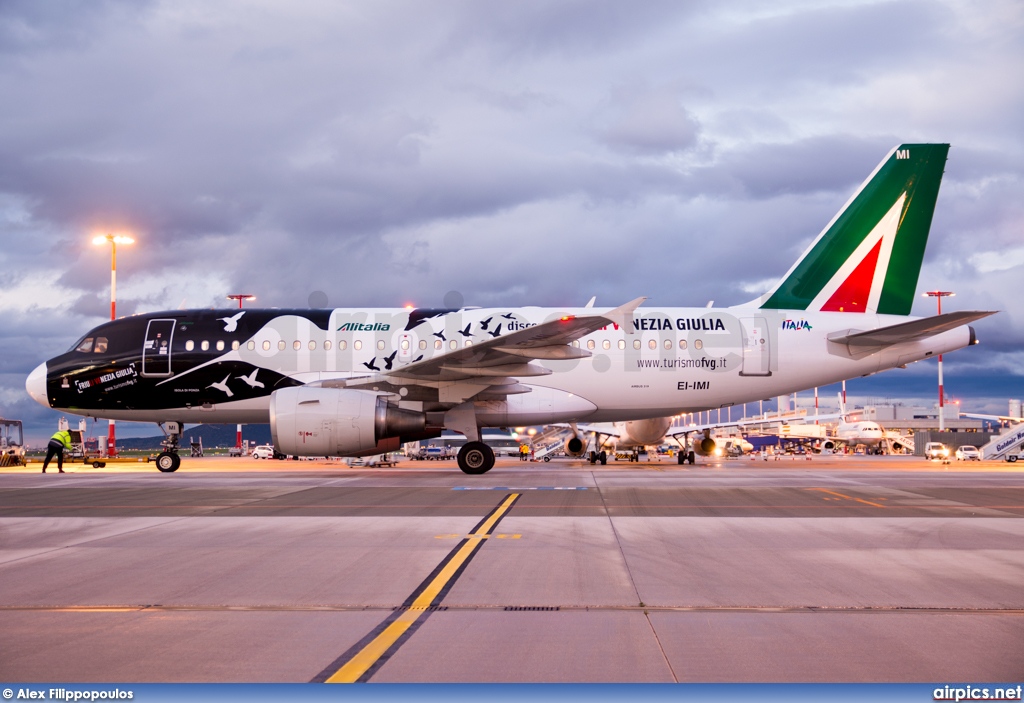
840	569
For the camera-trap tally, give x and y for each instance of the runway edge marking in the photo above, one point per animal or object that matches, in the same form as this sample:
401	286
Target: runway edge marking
363	659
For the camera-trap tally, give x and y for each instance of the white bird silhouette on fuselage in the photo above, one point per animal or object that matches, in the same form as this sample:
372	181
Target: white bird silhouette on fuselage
251	379
231	323
223	386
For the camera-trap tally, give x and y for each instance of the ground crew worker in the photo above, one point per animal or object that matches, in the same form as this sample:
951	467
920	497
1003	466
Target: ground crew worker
524	452
60	441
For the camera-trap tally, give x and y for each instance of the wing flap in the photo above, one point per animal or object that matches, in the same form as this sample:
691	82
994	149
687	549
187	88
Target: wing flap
907	331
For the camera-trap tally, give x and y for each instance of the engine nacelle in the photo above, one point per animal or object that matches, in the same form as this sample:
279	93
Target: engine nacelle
575	446
705	447
308	421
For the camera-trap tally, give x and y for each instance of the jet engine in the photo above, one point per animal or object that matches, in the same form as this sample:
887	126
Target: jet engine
575	446
706	446
308	421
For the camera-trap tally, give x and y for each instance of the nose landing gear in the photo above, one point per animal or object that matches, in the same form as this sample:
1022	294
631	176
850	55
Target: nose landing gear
168	460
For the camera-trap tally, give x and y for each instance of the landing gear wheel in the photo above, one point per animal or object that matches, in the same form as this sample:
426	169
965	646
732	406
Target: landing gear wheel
592	458
476	458
681	458
168	462
691	457
603	458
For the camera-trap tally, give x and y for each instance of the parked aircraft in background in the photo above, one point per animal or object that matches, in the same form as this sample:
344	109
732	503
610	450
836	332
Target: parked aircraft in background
352	382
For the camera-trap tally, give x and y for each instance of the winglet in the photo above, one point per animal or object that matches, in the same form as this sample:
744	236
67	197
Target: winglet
623	315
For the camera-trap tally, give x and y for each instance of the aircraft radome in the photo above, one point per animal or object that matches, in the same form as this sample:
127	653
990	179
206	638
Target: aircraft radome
351	382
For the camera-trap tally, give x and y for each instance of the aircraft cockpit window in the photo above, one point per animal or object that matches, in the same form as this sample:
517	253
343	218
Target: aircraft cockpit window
220	345
190	345
101	346
204	345
85	346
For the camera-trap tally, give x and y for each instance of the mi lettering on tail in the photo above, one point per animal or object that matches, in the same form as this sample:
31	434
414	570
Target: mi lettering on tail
868	258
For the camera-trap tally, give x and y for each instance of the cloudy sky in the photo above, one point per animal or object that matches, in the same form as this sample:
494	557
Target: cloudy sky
526	153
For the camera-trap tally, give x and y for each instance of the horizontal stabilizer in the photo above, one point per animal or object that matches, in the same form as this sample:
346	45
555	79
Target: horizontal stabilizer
908	331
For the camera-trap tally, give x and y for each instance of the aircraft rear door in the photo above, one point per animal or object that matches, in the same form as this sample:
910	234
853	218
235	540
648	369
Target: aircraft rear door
757	355
156	351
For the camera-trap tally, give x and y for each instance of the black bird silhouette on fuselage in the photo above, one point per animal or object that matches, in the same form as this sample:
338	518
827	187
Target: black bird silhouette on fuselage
466	332
509	316
372	365
496	332
388	360
440	335
484	323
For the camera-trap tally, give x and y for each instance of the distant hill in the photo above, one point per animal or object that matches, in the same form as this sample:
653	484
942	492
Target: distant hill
212	436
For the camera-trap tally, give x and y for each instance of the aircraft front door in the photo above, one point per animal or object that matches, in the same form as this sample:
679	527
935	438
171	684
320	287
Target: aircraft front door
757	355
156	352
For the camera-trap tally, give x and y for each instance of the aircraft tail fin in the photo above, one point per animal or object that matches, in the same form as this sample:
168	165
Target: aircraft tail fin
868	258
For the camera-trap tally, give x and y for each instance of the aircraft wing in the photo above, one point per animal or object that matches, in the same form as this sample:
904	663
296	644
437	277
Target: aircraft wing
911	331
510	355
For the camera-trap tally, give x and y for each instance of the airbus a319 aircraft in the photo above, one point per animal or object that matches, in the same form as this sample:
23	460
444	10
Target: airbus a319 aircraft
351	382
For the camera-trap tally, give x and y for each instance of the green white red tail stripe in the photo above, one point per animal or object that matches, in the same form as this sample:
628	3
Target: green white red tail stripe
869	256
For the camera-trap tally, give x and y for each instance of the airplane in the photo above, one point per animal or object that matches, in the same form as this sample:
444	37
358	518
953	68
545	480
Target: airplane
841	311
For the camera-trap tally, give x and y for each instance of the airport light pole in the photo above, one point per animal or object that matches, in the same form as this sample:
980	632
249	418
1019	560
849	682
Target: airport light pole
113	240
939	295
240	297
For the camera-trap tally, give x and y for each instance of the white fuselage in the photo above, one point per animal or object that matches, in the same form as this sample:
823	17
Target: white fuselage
673	360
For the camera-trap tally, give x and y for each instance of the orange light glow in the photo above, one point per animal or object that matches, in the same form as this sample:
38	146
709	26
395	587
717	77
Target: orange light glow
566	318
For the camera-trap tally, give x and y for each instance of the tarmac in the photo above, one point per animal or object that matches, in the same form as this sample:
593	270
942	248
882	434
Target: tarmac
834	569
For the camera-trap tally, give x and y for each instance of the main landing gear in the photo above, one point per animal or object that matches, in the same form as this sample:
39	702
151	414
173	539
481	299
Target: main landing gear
601	456
476	458
168	460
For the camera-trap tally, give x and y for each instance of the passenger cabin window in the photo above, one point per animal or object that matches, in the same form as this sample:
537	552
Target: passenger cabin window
636	343
590	344
576	343
682	344
343	345
653	344
101	345
423	344
405	345
668	343
327	345
190	345
266	345
204	345
437	344
296	345
606	344
453	344
312	345
380	344
235	345
220	345
251	345
86	345
281	345
357	345
698	344
622	344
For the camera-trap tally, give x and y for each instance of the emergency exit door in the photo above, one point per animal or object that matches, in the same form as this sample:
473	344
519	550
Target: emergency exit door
757	356
156	351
